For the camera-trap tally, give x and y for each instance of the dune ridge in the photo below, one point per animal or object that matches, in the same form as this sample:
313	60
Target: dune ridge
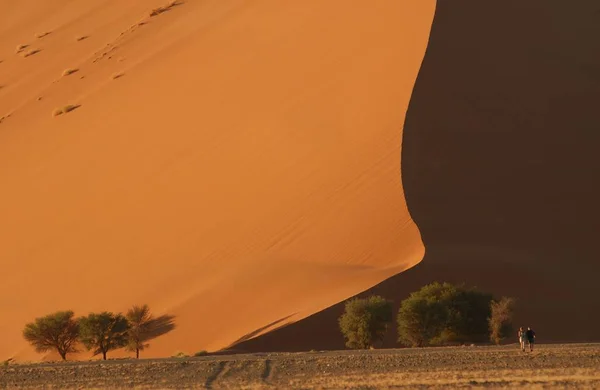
241	174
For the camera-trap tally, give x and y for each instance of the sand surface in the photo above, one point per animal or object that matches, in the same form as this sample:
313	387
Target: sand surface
234	163
549	366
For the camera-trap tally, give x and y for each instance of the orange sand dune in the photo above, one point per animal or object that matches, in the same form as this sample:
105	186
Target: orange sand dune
243	172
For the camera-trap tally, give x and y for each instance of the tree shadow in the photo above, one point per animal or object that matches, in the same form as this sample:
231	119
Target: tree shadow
159	326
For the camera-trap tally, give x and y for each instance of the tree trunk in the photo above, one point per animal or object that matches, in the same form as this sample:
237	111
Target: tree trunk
104	355
137	353
63	355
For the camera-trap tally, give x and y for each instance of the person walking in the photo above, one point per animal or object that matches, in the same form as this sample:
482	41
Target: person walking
522	338
530	334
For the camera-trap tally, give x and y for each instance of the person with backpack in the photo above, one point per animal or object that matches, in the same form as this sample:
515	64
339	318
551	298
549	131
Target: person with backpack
530	334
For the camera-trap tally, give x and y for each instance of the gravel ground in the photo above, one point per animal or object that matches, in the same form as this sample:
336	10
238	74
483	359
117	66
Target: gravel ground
550	366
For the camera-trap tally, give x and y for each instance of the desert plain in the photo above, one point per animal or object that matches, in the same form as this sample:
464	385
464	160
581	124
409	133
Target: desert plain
548	366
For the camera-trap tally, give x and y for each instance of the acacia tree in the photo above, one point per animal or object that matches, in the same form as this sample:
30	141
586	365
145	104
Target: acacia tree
443	313
420	321
103	332
365	321
144	327
501	319
58	331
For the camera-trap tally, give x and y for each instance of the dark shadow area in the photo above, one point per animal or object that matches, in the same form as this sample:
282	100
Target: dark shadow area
501	167
159	326
252	334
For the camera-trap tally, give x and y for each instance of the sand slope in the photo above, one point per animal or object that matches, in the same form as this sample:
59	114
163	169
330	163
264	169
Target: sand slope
500	167
242	173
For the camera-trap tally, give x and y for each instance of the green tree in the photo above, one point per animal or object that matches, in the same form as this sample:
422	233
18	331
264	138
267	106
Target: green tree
443	313
58	331
144	327
365	321
501	319
103	332
469	310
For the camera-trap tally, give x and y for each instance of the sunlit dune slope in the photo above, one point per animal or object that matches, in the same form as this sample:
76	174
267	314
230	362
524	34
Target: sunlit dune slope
234	163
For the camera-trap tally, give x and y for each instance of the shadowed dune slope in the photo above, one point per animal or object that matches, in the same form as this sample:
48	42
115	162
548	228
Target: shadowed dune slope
234	163
500	166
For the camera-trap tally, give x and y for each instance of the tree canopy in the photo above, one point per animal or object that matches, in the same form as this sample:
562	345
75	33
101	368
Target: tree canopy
444	313
103	332
365	321
58	331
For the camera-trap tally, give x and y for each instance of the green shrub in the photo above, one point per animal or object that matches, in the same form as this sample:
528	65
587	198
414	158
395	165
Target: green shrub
444	313
365	321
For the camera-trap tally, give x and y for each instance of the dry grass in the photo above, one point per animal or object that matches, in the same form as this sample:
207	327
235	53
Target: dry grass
31	52
164	8
42	35
81	38
450	379
117	75
68	72
64	110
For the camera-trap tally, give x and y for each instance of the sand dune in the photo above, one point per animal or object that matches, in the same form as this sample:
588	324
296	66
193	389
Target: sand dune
499	166
234	163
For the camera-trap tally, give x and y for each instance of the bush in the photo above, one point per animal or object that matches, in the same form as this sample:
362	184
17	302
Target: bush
58	331
501	319
443	313
144	327
103	332
365	321
201	353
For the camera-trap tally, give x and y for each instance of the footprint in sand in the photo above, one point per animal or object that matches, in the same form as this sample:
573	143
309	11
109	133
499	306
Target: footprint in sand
65	110
31	52
164	8
70	71
20	48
